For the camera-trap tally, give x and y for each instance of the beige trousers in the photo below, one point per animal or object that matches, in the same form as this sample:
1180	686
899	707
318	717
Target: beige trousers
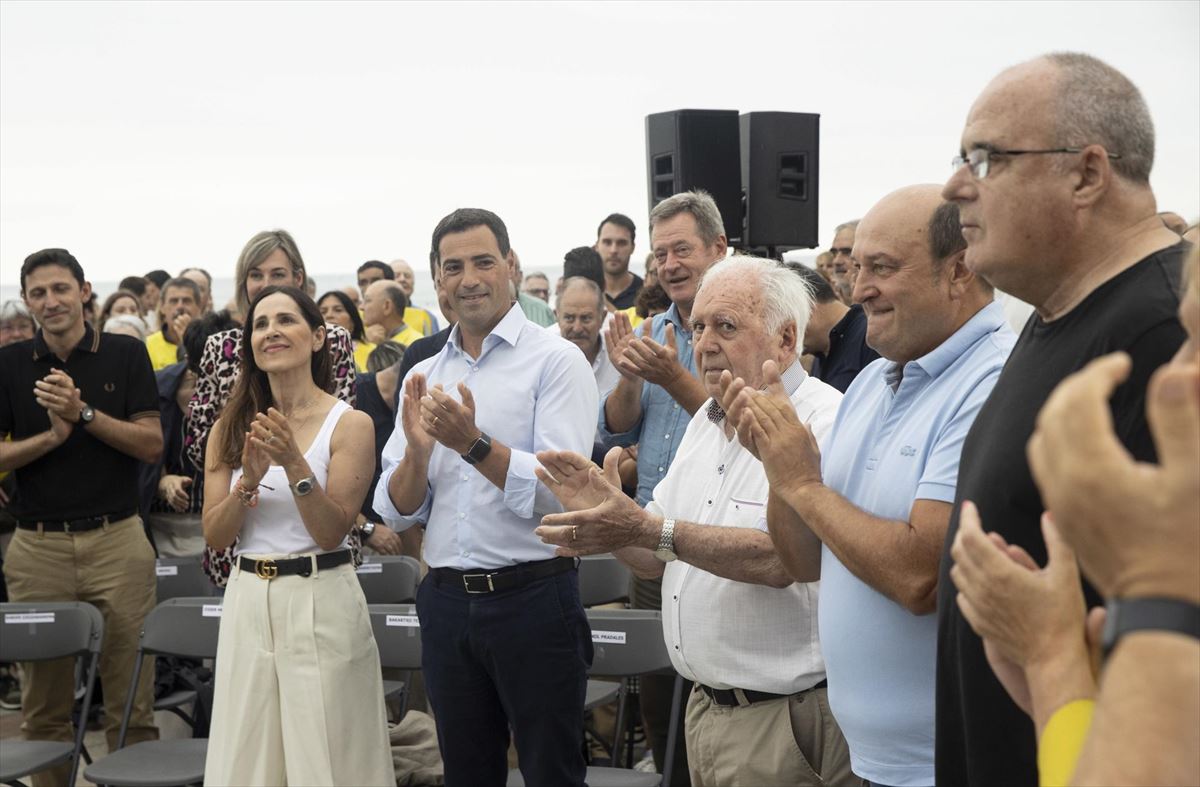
790	741
299	694
112	568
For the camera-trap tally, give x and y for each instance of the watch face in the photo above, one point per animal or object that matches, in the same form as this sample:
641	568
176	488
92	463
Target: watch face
665	555
304	486
87	414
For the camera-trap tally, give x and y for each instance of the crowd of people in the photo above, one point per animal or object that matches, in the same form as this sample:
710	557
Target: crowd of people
926	512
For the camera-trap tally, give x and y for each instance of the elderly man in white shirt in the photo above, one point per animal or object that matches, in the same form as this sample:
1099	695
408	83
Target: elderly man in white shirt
733	619
580	310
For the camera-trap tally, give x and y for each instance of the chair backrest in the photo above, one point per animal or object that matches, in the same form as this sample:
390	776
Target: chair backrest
180	577
397	635
185	627
389	579
602	580
40	630
627	642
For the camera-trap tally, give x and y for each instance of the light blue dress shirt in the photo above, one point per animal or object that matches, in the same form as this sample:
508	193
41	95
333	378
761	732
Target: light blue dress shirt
660	429
898	439
533	391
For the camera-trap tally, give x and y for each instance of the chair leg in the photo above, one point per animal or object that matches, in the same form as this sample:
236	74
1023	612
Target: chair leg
92	665
672	730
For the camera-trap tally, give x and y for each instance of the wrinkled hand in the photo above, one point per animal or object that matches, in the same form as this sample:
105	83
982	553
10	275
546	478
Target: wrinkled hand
599	517
58	394
271	433
420	442
653	362
385	541
627	466
735	406
785	446
376	334
180	323
616	340
449	422
173	490
1096	489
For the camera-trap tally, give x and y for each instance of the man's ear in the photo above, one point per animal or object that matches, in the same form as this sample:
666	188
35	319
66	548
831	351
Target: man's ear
961	278
1094	174
789	338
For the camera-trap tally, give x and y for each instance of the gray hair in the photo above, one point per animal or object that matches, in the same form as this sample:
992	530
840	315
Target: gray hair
131	321
257	249
584	282
846	225
14	310
703	210
181	282
787	298
1098	105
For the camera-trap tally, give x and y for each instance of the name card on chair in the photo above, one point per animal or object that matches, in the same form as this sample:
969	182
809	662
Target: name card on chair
211	611
609	637
409	621
166	571
29	617
370	568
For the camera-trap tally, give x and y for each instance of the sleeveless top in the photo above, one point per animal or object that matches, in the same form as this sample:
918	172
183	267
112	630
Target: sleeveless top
274	525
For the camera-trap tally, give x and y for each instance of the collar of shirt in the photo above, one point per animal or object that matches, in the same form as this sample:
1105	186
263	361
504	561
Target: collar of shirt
792	378
942	357
508	330
90	342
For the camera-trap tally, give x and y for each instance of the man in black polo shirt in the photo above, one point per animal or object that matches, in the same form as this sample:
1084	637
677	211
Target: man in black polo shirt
836	334
81	408
614	244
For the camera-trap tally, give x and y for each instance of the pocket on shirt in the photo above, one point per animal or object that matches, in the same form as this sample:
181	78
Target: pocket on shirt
747	511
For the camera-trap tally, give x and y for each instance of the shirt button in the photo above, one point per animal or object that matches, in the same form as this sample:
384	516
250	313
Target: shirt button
463	478
661	470
667	437
461	515
466	554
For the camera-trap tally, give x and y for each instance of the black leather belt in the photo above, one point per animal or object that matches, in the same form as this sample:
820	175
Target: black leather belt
74	525
266	568
483	581
728	698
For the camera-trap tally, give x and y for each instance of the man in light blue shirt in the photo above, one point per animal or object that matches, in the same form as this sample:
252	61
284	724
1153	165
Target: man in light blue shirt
505	642
879	500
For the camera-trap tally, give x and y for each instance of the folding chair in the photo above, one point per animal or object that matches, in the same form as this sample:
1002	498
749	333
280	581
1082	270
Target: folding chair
398	637
628	642
181	577
602	580
185	627
389	579
40	631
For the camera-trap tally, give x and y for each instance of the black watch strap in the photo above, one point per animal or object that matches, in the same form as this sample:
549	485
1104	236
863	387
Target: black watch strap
1126	615
478	450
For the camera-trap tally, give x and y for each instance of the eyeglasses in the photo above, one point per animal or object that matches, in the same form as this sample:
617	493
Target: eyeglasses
979	159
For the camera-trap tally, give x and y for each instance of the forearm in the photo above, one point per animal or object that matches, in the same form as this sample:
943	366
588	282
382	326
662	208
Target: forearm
409	484
641	562
798	548
142	439
886	554
736	553
687	391
1146	727
494	466
325	519
623	407
1064	676
222	521
19	453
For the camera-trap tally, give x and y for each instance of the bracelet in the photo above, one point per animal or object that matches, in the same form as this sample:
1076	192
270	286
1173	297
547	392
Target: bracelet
248	497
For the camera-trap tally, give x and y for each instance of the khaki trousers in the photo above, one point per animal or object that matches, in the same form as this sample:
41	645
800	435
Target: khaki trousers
788	741
299	693
112	568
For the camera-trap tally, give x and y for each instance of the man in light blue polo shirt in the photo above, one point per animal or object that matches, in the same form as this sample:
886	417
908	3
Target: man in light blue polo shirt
879	500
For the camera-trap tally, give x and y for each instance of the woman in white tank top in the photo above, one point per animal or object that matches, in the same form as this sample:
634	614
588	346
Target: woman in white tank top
298	694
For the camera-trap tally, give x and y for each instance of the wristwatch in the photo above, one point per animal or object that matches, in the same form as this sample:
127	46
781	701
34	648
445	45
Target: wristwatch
1126	615
478	450
87	415
303	486
666	542
367	529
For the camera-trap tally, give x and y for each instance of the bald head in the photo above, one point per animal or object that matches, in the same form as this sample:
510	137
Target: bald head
404	276
384	303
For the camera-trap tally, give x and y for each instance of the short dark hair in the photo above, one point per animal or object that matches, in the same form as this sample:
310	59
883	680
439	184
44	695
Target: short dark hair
53	257
358	331
135	284
181	283
586	262
945	233
821	289
621	220
388	273
651	298
465	219
197	333
158	276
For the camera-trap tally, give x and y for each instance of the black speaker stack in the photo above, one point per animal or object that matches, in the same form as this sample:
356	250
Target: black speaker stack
761	168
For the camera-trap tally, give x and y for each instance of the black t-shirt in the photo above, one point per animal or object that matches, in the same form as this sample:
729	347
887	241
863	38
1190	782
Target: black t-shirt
83	477
628	296
982	737
848	351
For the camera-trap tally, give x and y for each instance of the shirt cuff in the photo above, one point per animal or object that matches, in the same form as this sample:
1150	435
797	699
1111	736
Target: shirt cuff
520	484
931	490
387	511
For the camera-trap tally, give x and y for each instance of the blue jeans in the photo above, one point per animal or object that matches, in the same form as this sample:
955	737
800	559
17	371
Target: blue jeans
515	658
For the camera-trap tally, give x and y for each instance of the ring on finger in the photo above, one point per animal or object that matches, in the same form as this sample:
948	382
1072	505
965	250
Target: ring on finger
574	532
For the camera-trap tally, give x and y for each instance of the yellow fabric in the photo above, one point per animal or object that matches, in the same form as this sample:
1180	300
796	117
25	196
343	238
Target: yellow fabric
631	313
162	352
1062	742
362	351
418	320
407	336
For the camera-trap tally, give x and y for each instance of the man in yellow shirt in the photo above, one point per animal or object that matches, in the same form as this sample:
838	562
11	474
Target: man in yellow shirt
420	320
383	306
179	304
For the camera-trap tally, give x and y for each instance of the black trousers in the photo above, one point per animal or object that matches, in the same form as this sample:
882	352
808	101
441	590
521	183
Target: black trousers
515	659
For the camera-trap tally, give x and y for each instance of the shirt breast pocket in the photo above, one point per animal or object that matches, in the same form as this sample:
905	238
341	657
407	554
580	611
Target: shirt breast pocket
747	510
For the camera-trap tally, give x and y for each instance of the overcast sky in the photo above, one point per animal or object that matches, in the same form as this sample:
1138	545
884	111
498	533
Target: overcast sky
142	135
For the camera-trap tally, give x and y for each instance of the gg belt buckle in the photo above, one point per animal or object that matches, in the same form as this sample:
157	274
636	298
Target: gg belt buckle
266	569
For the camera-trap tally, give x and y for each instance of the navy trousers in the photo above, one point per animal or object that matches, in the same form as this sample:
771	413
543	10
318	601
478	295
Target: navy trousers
516	660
